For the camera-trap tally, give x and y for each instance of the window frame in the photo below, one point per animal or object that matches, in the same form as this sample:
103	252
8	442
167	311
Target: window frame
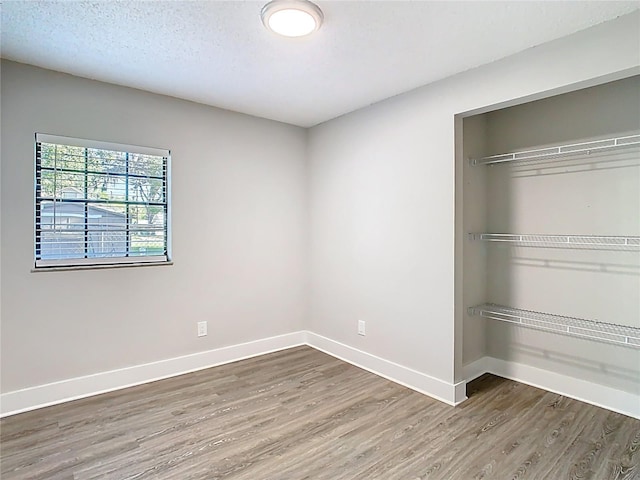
86	262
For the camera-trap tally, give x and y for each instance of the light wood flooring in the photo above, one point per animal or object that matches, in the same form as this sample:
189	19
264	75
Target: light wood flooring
300	414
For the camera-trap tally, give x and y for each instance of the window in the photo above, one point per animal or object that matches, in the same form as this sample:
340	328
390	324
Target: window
99	203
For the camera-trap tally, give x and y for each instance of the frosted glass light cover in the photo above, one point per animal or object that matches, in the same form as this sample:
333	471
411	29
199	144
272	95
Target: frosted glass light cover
292	18
292	23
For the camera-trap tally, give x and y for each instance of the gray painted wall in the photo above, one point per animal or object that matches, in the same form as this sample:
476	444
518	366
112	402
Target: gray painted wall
238	187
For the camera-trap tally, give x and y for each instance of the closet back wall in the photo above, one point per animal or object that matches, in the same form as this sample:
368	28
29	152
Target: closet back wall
239	220
594	194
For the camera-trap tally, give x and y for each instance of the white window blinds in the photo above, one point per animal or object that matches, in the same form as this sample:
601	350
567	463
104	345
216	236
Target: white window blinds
99	203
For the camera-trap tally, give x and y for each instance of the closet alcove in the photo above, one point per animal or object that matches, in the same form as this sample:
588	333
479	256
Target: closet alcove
548	229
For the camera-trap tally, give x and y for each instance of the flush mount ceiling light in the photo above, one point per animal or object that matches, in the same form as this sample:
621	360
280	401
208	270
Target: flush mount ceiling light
292	18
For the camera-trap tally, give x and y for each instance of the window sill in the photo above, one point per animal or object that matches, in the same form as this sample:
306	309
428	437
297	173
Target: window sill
62	268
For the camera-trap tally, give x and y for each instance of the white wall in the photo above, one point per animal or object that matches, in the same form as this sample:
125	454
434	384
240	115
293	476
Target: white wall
588	194
238	189
382	197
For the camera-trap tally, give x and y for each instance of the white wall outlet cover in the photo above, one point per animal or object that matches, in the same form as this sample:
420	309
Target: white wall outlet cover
361	327
202	329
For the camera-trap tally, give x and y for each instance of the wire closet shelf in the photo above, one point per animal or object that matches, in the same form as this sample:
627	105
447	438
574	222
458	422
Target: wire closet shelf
575	327
561	151
561	241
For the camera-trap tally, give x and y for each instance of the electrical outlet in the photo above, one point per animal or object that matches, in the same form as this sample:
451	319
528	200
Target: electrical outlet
202	329
361	327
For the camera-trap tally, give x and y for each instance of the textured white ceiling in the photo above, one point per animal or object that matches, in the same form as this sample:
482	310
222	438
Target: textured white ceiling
218	53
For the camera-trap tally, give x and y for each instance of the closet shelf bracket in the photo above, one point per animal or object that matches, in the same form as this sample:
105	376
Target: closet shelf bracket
575	327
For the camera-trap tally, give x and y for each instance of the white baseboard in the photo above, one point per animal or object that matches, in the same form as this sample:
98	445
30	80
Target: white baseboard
74	388
473	370
595	394
449	393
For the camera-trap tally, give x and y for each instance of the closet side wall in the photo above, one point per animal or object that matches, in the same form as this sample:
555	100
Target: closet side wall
474	218
597	194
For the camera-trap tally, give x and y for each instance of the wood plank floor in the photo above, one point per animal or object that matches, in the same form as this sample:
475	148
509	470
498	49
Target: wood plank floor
300	414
